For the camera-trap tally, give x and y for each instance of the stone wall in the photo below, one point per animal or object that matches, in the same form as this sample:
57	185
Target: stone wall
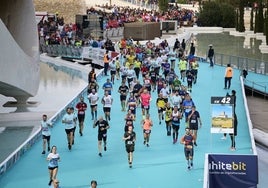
65	8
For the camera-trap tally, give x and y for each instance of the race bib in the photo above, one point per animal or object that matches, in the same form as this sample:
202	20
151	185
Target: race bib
193	121
129	142
81	112
189	147
147	131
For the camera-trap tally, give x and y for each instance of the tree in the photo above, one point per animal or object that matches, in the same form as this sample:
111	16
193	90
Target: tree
251	19
217	14
241	24
163	5
259	20
260	17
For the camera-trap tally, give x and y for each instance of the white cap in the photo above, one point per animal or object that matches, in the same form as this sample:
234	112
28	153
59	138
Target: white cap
210	45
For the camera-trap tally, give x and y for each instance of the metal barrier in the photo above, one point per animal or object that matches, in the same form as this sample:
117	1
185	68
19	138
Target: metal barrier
253	65
257	87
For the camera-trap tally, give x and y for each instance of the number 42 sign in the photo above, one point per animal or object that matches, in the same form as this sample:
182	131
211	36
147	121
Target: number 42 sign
222	114
222	100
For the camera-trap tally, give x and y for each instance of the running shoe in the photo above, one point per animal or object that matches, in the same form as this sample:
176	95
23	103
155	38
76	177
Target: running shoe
69	146
105	148
147	145
43	152
144	142
100	154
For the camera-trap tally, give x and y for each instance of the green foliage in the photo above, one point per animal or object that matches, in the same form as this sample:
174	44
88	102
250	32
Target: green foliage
227	16
163	5
256	21
217	14
181	1
260	18
241	25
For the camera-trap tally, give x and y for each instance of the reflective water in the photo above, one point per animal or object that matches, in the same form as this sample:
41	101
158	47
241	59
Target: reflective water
230	45
54	81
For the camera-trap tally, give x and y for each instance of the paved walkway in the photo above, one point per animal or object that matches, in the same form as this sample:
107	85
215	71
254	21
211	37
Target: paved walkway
258	109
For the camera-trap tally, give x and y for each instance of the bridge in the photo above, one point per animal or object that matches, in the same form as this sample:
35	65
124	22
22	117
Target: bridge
19	62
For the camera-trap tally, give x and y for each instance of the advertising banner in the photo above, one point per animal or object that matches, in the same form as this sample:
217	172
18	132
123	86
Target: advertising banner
222	114
233	171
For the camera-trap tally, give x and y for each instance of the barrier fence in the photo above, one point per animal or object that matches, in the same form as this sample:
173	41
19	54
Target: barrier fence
253	65
35	137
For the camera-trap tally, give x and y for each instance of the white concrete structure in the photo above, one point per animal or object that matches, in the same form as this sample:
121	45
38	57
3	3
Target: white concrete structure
19	49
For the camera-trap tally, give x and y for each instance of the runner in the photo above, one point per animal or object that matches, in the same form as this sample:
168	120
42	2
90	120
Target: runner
153	77
130	74
118	66
190	79
160	83
188	140
53	158
170	79
68	121
168	118
112	67
165	91
147	83
137	67
81	107
176	116
107	102
161	105
132	104
176	100
136	91
147	124
92	85
130	138
93	98
75	118
145	99
194	119
176	85
187	105
108	86
46	133
183	68
102	133
129	116
123	90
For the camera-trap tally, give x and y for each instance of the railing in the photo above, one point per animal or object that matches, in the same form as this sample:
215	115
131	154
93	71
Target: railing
35	137
253	65
257	87
90	54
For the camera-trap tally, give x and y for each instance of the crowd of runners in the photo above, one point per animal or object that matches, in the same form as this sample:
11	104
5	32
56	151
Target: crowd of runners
143	72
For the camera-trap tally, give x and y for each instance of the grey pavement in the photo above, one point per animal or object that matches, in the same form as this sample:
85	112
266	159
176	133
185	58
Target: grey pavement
258	109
